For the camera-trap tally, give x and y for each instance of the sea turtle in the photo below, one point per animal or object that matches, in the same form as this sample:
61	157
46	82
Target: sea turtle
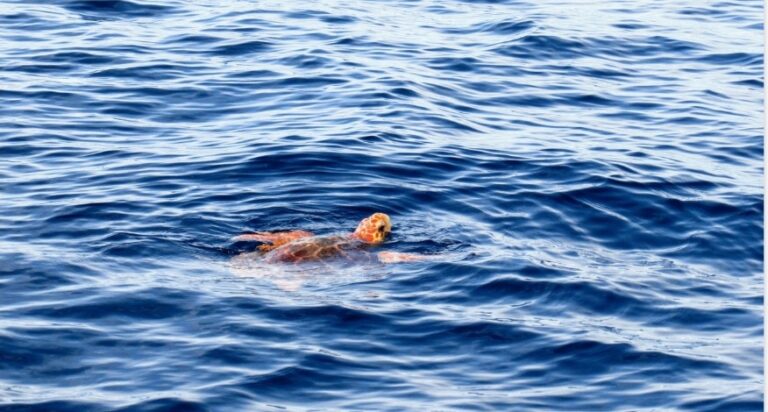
290	258
299	246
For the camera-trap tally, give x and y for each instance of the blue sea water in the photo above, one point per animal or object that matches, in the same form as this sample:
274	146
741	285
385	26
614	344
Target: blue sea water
589	174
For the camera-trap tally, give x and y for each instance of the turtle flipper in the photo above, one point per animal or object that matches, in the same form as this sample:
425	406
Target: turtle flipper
275	239
397	257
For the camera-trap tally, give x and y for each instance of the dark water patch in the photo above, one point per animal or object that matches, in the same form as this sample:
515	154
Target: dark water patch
338	19
594	72
501	28
147	305
127	108
117	8
165	405
241	49
585	358
404	91
484	336
306	14
631	26
150	72
43	95
194	39
50	406
326	316
542	47
79	58
39	68
18	17
758	83
745	59
466	64
700	11
96	211
580	295
24	357
254	73
183	94
301	82
727	404
311	379
508	2
31	275
352	41
538	101
307	61
711	321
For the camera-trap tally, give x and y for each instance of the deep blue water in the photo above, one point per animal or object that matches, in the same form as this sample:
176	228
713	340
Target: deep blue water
590	174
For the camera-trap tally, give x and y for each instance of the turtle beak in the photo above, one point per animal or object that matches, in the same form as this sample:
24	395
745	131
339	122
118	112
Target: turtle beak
383	228
381	233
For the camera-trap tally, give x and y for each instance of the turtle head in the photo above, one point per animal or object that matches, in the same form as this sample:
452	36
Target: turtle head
374	229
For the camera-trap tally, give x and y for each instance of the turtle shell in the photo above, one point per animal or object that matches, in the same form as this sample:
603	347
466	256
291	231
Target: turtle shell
317	248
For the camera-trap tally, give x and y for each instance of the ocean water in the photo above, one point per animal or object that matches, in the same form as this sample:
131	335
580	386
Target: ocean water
587	175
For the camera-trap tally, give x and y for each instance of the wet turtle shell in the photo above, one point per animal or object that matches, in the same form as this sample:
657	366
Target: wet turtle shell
320	248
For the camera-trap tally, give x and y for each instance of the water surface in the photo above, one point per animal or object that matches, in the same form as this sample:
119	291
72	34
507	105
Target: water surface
591	171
